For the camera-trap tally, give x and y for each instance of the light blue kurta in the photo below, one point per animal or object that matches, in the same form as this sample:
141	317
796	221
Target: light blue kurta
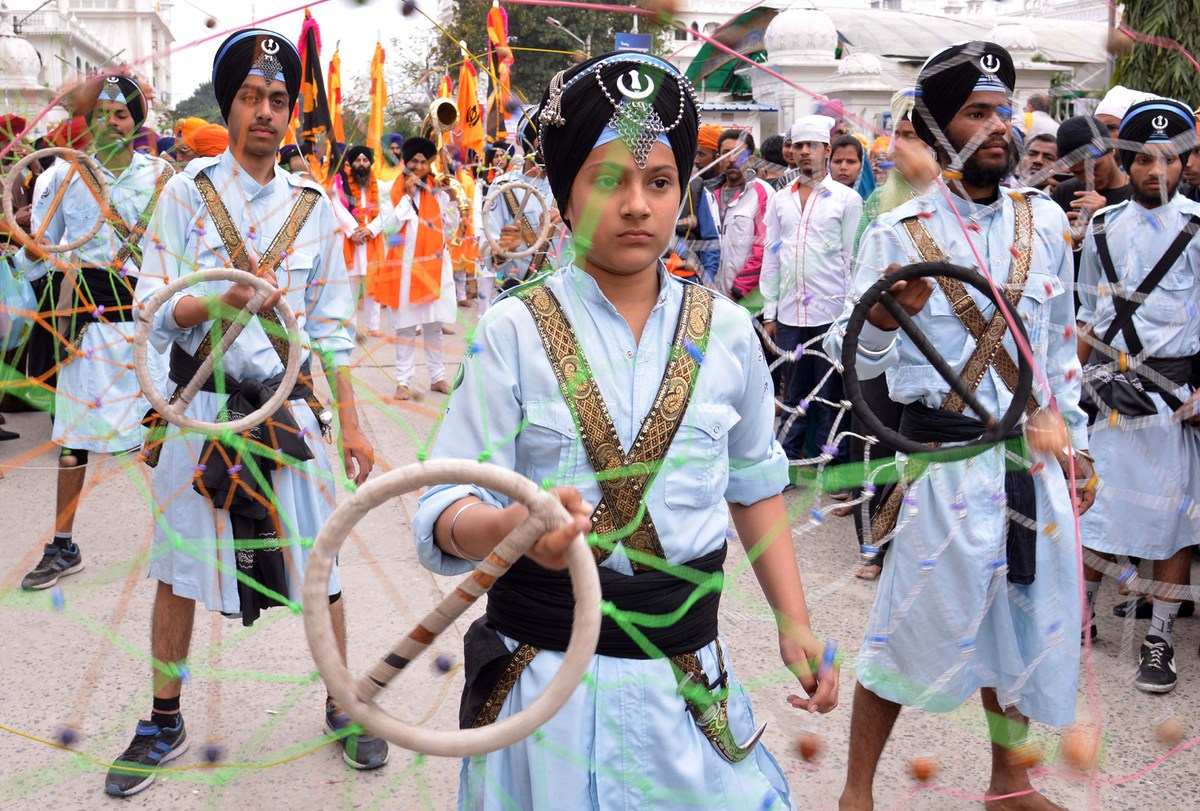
193	549
98	405
1149	467
624	740
946	622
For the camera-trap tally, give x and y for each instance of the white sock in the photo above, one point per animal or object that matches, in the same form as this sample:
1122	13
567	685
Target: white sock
1163	621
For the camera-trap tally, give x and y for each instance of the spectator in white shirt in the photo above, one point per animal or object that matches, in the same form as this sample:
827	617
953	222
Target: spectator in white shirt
811	227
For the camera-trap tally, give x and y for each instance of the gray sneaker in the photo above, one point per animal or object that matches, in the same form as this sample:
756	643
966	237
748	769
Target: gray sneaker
360	749
56	562
152	746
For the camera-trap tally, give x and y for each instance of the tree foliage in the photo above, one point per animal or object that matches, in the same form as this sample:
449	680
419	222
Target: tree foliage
201	104
1155	68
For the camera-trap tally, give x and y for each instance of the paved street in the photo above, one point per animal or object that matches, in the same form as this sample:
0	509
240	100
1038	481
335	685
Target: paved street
254	692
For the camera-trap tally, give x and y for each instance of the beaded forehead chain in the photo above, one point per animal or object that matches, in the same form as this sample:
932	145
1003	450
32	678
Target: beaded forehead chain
634	118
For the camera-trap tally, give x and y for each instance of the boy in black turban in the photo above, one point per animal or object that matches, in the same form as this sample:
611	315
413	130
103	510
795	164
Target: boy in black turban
649	397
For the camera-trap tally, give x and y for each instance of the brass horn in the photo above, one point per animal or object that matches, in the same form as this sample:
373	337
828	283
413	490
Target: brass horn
442	117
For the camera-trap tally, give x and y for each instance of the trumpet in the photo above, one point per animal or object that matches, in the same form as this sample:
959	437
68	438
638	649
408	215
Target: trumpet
442	117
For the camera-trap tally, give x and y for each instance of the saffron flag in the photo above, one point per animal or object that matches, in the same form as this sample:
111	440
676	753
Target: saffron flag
500	59
379	100
470	117
337	131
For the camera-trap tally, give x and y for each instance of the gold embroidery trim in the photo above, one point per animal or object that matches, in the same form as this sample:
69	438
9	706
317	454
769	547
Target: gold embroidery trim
520	660
988	334
621	512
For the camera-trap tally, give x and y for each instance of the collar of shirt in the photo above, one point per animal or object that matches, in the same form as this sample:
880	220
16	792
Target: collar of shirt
251	188
823	186
587	289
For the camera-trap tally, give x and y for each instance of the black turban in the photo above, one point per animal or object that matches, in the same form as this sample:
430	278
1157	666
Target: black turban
1156	121
572	120
249	50
529	127
1079	132
286	153
415	146
353	152
125	91
950	76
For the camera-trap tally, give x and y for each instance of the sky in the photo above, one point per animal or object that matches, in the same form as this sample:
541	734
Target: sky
356	25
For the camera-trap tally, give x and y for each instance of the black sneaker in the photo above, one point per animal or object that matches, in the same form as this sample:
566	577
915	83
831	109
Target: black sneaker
56	562
1156	666
138	765
1092	632
360	750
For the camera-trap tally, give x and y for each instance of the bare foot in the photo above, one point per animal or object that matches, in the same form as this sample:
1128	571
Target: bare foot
447	330
854	802
1032	800
404	393
843	510
441	387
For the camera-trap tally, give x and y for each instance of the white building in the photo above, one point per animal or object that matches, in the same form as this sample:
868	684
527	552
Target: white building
45	48
861	51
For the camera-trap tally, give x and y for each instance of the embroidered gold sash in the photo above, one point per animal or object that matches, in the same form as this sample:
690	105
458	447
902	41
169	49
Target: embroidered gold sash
624	478
989	351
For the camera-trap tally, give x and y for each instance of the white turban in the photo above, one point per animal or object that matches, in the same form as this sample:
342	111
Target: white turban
1119	99
811	128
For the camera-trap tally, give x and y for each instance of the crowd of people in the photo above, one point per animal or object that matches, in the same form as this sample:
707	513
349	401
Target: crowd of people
633	270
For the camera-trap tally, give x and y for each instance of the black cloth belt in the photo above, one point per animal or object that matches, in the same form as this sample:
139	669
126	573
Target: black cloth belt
226	474
1176	370
535	605
924	424
98	294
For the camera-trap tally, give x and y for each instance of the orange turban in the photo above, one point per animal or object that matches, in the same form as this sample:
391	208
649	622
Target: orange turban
710	136
209	141
881	145
184	127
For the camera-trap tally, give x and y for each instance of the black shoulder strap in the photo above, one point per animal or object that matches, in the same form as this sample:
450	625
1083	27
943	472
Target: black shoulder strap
1127	306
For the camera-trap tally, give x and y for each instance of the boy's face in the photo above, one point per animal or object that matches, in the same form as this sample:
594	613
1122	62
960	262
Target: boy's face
625	214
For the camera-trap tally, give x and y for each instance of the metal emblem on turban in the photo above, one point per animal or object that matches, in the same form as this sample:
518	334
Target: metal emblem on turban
634	119
268	63
112	80
1160	125
989	64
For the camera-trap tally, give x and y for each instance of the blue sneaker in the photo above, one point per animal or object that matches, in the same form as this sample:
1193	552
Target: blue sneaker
56	562
138	765
360	750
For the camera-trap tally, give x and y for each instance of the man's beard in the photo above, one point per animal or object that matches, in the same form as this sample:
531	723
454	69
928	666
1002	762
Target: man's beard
361	176
981	176
1158	198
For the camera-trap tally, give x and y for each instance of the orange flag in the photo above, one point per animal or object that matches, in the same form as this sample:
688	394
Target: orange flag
501	59
470	117
379	99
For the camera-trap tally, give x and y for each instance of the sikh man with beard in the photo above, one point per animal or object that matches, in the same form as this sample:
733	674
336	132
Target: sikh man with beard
212	542
1145	252
367	202
698	248
98	404
416	281
969	600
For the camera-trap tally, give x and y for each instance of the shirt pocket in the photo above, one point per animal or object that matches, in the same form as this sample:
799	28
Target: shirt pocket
696	471
549	450
1167	304
293	273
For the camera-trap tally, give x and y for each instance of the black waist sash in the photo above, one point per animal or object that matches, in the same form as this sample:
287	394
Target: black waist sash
535	605
98	294
1176	370
226	474
924	424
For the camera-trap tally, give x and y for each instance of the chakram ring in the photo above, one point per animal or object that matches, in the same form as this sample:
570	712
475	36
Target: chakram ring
357	698
995	430
74	158
545	227
174	411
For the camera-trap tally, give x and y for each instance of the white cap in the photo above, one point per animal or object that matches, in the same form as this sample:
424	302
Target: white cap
1118	101
811	128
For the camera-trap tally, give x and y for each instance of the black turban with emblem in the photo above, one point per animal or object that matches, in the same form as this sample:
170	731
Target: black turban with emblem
259	51
950	76
124	90
1156	121
638	98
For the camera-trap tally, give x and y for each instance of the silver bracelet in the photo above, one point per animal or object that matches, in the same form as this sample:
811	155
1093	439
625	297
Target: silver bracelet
458	552
878	353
